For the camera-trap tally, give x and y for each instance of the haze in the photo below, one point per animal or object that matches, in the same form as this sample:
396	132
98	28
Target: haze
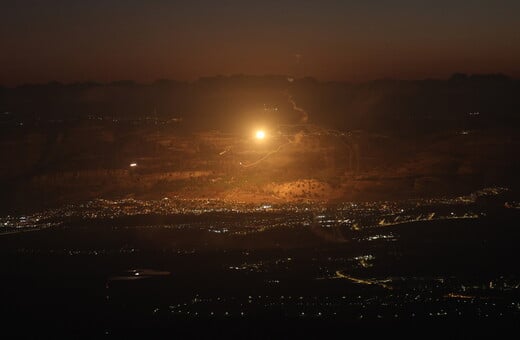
74	40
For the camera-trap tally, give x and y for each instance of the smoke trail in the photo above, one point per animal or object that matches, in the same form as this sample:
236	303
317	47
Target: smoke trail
264	157
297	138
304	115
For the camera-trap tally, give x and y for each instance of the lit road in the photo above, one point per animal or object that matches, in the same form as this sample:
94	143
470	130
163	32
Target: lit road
340	275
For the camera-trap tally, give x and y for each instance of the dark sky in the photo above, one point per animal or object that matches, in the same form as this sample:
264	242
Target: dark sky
73	40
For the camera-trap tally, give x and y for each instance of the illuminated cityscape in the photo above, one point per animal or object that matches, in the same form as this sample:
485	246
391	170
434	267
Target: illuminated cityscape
259	169
348	262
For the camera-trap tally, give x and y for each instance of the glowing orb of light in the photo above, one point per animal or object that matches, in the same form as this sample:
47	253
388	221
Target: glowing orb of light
260	134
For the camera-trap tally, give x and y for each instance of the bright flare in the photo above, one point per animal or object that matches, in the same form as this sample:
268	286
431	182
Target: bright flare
260	134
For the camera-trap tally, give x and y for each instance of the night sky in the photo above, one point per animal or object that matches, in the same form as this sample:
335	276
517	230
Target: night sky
74	40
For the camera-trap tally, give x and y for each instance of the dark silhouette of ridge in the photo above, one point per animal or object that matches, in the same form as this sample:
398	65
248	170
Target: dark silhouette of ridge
227	102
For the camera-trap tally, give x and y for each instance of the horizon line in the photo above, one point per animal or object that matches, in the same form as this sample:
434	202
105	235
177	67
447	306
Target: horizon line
288	78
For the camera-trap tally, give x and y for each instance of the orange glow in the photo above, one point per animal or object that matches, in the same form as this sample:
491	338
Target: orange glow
260	134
